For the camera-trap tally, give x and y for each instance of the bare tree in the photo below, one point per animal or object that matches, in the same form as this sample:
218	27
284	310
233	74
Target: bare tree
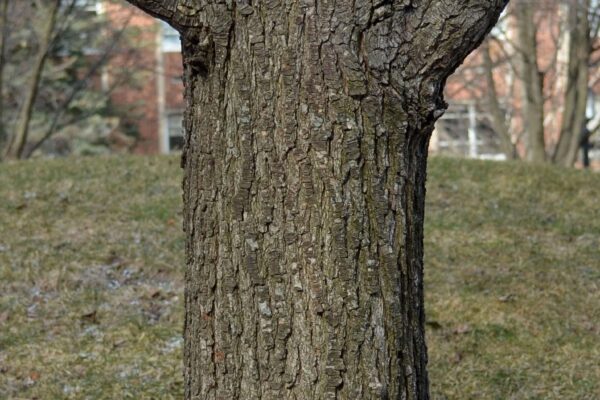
578	78
548	46
499	118
532	81
48	13
3	34
308	125
52	77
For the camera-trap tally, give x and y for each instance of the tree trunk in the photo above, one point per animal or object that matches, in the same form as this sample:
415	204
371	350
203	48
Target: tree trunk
575	100
21	131
3	39
305	158
498	116
532	83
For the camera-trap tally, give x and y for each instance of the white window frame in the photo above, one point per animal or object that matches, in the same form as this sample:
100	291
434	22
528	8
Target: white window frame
170	41
170	126
94	6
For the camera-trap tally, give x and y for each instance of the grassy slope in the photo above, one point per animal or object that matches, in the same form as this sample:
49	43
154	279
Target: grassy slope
91	257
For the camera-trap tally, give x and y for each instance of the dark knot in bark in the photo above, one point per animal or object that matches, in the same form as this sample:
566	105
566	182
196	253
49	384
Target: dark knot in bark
198	51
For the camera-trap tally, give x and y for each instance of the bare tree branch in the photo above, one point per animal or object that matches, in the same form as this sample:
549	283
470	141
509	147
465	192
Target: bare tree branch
19	139
167	10
81	85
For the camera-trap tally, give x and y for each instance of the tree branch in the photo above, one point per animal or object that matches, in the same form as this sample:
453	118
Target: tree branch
81	85
167	10
4	31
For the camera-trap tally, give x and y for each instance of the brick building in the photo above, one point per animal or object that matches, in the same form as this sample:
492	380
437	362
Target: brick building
157	94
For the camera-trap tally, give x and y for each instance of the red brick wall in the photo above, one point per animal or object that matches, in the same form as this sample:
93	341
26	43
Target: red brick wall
142	93
173	81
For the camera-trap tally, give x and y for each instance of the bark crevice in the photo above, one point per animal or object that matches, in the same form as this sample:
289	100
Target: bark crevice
306	142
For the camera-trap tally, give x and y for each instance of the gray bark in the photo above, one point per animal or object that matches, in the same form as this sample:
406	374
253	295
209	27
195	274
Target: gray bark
4	31
532	82
307	128
498	116
575	101
19	138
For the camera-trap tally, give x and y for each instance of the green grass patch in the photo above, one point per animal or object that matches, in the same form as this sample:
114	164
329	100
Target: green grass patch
91	272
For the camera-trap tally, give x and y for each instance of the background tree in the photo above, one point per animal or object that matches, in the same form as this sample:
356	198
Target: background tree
3	33
48	14
50	73
536	74
307	132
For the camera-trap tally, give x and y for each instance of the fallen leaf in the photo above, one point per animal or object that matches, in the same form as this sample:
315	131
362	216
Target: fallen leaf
457	357
462	329
31	311
91	317
4	317
115	261
434	324
506	298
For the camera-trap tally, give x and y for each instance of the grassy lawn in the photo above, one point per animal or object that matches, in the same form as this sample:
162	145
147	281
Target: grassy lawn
91	255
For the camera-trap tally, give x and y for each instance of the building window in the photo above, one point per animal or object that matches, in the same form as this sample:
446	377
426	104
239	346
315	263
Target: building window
170	38
92	6
465	131
175	130
501	30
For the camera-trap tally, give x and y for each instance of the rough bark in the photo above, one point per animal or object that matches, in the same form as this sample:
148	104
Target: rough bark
575	100
21	130
305	159
532	82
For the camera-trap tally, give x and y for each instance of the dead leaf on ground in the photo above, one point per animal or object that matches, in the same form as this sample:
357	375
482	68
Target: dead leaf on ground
91	317
462	329
34	376
3	369
457	357
4	317
115	261
506	298
433	324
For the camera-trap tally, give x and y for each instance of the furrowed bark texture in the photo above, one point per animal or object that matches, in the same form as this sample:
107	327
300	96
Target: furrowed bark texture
305	158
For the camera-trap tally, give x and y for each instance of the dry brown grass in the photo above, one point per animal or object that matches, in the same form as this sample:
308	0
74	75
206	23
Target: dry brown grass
91	255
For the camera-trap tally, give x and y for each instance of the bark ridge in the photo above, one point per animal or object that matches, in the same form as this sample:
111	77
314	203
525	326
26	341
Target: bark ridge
307	125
